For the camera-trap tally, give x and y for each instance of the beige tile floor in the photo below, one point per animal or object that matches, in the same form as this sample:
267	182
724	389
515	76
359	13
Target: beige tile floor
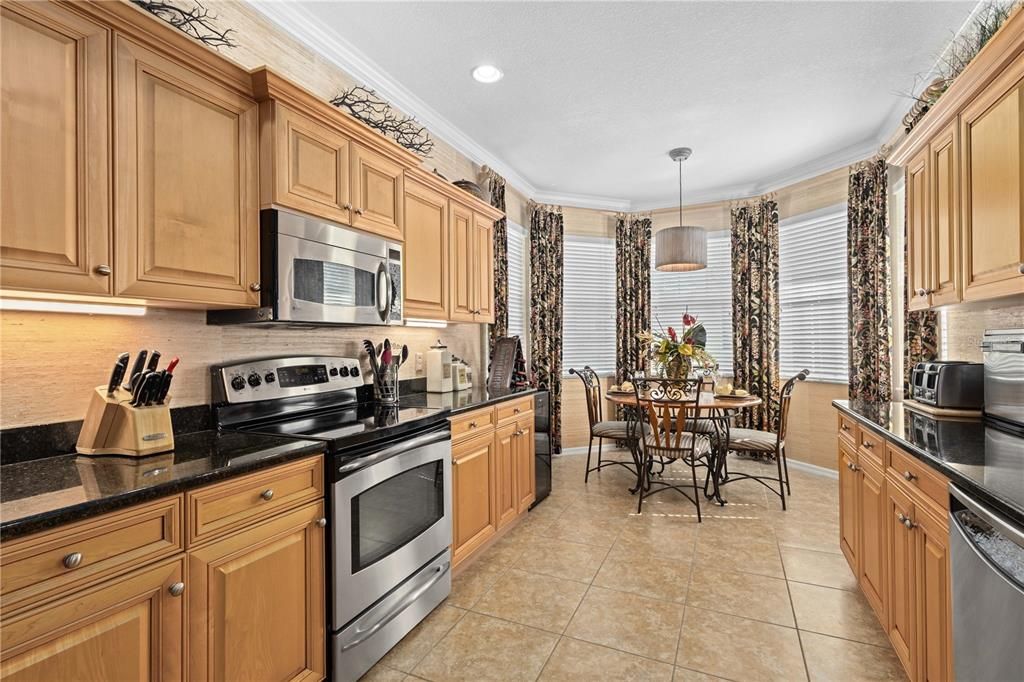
583	588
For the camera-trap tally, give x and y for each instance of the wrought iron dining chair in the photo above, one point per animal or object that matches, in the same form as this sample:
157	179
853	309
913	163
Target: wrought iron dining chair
600	428
667	431
768	443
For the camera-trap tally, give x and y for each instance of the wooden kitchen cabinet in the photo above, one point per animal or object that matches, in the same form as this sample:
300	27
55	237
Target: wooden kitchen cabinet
376	194
935	654
993	188
426	253
901	623
918	233
871	503
526	482
506	447
849	513
257	601
55	232
944	217
483	250
474	508
462	272
186	210
127	628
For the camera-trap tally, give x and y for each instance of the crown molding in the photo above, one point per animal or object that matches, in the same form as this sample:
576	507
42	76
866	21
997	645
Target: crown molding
296	20
590	201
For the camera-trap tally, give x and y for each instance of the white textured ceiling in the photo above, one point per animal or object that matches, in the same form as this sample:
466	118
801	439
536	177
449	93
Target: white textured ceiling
595	94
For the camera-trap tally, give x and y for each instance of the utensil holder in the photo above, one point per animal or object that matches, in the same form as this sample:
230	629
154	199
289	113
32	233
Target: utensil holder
114	427
387	385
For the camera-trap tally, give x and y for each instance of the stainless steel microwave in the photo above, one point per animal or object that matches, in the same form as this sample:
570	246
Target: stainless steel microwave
315	272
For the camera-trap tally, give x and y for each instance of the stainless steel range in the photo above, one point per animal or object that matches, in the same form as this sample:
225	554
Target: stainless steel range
389	500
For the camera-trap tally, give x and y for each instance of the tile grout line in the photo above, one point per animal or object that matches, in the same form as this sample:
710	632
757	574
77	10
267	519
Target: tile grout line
796	623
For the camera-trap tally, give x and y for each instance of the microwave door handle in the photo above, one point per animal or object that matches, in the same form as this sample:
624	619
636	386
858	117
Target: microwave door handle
383	292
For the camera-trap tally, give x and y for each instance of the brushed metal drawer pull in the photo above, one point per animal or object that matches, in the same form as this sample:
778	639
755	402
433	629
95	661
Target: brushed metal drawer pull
844	427
177	589
347	207
255	286
103	270
359	211
472	425
267	494
909	476
906	521
868	445
516	410
322	522
73	560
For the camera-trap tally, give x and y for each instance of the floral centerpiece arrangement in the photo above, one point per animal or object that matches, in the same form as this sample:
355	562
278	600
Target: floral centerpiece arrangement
681	352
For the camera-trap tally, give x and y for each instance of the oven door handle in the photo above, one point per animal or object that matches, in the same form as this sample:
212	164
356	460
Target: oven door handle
413	596
400	448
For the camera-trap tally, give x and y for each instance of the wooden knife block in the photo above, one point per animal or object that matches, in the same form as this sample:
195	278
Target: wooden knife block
113	427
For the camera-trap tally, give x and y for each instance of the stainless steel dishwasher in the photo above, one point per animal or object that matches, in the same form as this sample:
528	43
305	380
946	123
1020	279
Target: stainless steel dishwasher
987	559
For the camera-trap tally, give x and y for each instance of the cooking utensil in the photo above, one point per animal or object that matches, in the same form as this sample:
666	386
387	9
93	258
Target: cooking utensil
172	364
140	363
404	356
372	353
154	360
118	372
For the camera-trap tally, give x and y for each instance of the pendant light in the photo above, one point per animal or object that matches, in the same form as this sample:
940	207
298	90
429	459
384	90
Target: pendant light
683	248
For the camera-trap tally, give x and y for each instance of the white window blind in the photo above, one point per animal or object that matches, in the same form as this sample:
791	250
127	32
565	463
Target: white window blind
706	294
517	288
588	304
813	298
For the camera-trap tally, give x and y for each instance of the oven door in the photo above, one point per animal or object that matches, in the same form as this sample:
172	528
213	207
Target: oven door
323	283
392	515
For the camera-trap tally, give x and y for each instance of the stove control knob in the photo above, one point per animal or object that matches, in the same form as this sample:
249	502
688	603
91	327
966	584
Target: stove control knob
237	383
354	370
269	377
334	371
254	380
344	371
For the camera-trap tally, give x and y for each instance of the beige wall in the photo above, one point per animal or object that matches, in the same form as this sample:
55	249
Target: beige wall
964	328
50	362
812	423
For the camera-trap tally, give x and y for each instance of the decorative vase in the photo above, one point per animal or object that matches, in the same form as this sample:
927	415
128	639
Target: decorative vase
677	368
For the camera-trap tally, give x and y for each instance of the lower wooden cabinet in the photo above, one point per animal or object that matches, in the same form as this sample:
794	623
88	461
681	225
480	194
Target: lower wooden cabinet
257	602
127	628
894	533
493	477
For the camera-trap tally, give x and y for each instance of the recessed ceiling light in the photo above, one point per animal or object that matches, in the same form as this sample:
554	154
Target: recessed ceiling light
487	73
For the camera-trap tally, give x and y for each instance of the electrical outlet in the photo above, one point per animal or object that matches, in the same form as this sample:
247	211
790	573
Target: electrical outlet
419	363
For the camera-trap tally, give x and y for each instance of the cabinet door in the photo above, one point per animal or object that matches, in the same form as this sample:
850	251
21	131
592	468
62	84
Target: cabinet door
127	628
376	193
310	165
933	596
944	232
918	215
185	169
526	483
483	267
506	453
257	602
902	583
461	269
848	512
473	496
54	148
993	193
426	252
872	535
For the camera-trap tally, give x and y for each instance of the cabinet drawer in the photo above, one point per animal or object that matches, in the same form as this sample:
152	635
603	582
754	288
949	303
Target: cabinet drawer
58	560
513	409
871	445
472	423
218	509
919	477
848	429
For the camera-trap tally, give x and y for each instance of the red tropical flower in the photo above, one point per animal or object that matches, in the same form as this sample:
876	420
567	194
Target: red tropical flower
688	319
690	340
672	334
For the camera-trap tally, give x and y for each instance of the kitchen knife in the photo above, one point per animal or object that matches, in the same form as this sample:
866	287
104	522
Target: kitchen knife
165	386
140	383
154	360
151	393
140	363
172	364
118	373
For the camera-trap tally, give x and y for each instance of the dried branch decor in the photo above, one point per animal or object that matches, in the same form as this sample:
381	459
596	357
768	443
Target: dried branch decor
197	22
365	105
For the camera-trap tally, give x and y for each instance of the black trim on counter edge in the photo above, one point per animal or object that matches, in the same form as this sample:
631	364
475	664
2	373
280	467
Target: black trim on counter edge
91	508
998	503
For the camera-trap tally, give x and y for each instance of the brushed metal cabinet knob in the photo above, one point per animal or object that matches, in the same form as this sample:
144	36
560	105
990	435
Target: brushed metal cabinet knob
359	211
322	522
267	494
103	270
1020	268
73	560
255	286
177	589
908	476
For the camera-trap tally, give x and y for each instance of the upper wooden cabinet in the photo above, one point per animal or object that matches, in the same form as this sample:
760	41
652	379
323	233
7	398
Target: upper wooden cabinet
462	272
54	144
426	252
483	258
186	220
965	182
376	194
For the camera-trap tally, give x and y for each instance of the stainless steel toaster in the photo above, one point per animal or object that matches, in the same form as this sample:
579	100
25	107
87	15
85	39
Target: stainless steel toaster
950	383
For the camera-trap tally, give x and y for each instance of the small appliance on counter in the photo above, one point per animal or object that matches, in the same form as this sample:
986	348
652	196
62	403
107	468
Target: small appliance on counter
439	369
1003	350
131	418
948	384
462	375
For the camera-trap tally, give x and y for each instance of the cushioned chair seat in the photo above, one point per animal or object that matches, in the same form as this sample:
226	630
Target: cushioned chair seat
611	429
704	425
700	448
751	439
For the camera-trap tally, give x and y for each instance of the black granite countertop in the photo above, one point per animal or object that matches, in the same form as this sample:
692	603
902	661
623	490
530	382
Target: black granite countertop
463	401
47	492
985	462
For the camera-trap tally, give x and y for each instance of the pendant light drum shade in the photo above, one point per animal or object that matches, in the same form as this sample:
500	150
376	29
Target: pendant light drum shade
681	249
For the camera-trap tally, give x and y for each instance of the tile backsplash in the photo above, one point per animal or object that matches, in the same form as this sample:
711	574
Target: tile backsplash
963	328
50	362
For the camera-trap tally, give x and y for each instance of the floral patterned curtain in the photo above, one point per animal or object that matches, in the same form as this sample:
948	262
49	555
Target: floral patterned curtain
920	329
755	309
546	309
867	237
496	187
632	290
